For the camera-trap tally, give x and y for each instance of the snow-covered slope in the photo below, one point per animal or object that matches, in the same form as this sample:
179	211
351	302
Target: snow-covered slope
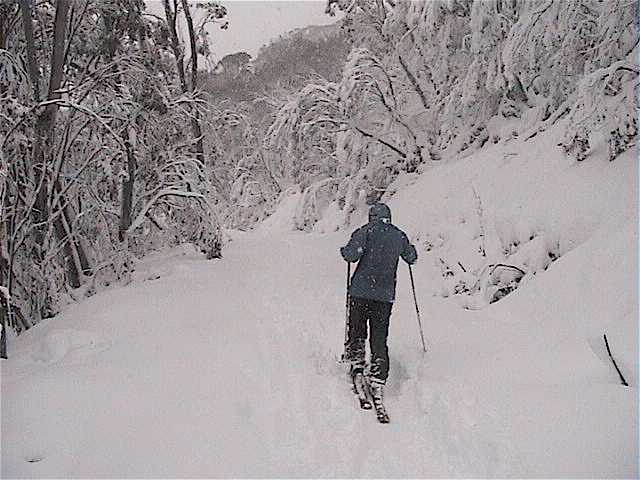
536	202
228	367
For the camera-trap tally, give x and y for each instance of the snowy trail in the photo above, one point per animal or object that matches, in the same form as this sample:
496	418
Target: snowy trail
220	368
228	369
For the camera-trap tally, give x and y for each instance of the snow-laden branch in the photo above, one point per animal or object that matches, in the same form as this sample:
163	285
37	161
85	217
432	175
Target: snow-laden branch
592	88
11	62
149	205
594	108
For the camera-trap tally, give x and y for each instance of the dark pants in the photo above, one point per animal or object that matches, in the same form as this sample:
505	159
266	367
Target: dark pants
361	311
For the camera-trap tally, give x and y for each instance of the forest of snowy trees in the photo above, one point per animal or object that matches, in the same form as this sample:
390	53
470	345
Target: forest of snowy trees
116	141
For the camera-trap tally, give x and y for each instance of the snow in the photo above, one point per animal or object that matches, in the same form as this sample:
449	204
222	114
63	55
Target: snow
228	368
282	220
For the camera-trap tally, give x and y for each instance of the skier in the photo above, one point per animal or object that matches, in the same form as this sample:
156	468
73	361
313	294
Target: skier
376	247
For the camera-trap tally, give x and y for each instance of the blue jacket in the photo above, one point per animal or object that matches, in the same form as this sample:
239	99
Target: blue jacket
376	247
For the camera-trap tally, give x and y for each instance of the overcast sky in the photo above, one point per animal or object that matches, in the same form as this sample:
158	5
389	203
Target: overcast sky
253	23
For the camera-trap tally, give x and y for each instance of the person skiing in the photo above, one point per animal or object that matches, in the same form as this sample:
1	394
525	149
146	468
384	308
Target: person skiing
377	247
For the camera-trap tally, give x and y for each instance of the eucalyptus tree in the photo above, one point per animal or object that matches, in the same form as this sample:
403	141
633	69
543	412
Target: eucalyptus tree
94	161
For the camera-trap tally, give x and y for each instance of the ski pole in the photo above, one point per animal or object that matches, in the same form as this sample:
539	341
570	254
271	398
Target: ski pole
415	300
346	322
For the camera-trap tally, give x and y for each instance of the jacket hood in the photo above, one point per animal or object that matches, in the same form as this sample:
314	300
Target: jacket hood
380	211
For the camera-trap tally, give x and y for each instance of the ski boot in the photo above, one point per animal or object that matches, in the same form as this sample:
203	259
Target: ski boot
377	394
360	388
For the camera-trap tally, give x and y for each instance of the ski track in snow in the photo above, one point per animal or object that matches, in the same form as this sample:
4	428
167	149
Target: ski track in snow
223	389
228	368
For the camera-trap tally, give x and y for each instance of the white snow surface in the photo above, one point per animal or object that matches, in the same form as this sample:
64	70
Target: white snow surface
227	368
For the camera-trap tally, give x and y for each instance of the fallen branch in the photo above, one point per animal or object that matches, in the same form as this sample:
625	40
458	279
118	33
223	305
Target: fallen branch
488	270
513	267
379	140
606	342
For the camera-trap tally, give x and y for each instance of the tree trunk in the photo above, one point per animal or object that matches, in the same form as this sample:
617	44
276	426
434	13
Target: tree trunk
78	263
32	66
42	151
40	133
3	322
62	224
82	254
4	20
126	204
3	313
71	260
414	82
195	122
172	14
192	43
128	182
517	90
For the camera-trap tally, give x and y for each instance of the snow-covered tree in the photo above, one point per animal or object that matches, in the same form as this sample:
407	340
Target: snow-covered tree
607	102
93	142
